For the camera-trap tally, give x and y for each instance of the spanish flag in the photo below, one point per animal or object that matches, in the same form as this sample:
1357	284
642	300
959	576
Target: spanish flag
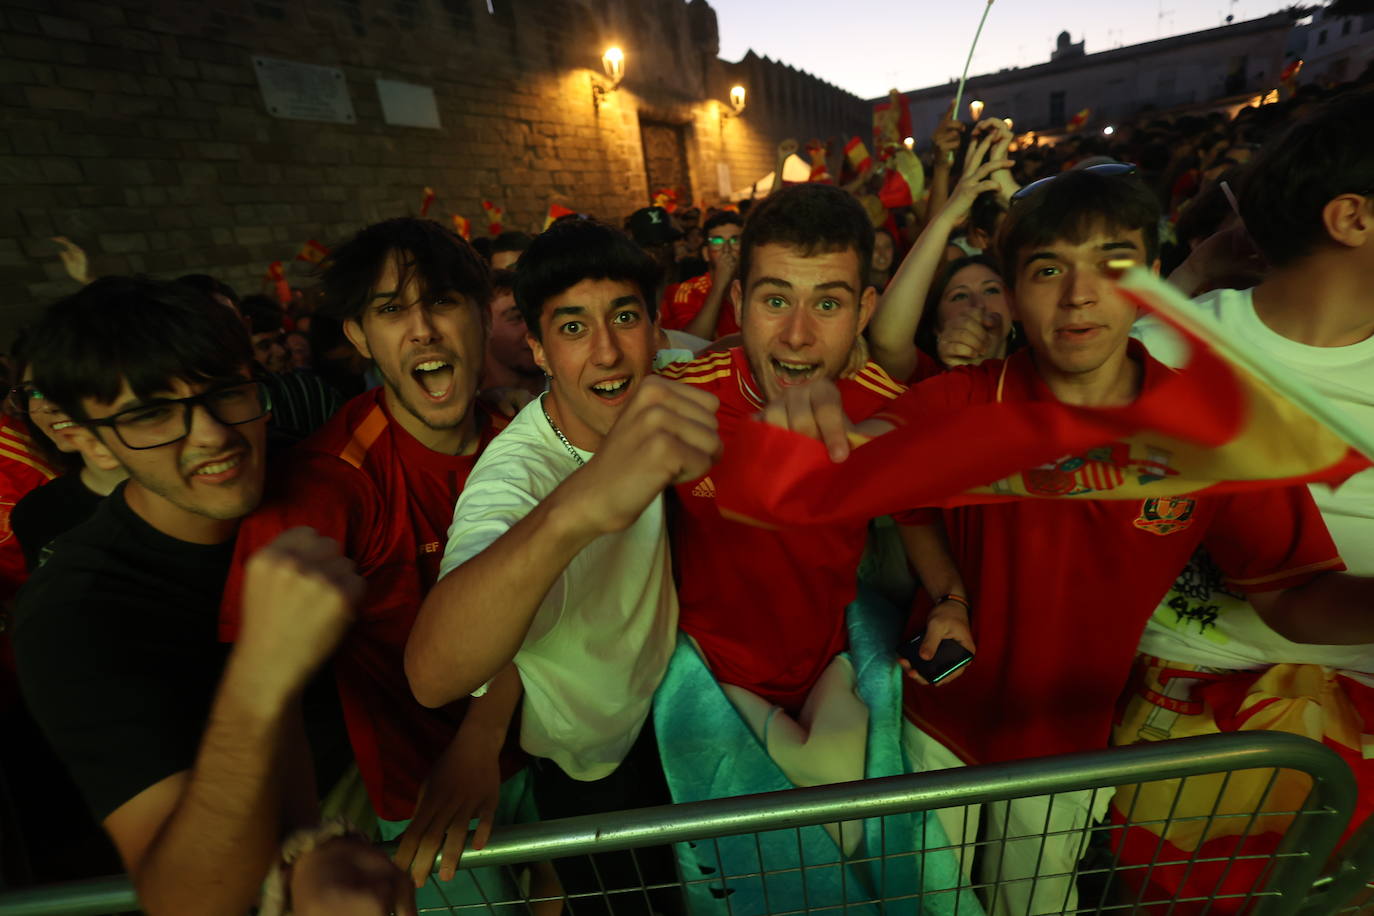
495	214
820	172
857	154
276	275
312	252
462	226
1226	421
556	212
426	200
1080	119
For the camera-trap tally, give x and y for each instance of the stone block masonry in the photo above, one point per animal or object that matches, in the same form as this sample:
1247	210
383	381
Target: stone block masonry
138	129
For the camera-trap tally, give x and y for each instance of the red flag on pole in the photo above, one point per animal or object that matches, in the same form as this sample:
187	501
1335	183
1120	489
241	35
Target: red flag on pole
495	214
276	275
857	154
1227	421
556	212
426	200
312	252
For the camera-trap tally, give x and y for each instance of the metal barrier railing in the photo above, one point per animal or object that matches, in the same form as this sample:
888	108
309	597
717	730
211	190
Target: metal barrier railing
1292	881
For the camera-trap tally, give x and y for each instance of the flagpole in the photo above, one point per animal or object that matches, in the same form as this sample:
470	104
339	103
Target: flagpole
959	95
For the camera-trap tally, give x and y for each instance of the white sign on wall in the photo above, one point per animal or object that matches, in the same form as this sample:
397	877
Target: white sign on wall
408	105
303	92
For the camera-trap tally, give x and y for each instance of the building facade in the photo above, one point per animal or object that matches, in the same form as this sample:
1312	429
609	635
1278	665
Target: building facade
1246	57
141	130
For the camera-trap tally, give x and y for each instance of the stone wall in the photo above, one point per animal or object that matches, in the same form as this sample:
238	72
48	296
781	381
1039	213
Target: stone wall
140	132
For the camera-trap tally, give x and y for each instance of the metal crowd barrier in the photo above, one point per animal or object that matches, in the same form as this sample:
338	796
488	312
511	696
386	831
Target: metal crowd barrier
1296	880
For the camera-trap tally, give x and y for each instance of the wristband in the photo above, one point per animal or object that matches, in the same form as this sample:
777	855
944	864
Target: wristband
276	890
957	599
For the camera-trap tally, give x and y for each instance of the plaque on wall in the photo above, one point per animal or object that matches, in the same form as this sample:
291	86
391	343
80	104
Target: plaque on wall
303	92
408	105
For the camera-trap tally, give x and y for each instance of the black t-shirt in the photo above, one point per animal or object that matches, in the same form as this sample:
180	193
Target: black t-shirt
52	509
118	657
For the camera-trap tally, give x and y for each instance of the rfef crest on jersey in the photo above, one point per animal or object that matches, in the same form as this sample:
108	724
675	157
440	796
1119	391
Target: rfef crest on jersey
1166	514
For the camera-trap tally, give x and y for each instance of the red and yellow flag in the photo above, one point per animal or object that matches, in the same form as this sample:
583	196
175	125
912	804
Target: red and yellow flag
820	172
426	201
495	214
276	275
462	226
312	252
1227	421
857	154
1080	119
556	212
666	198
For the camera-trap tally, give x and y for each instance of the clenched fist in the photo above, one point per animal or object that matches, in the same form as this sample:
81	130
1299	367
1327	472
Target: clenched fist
299	596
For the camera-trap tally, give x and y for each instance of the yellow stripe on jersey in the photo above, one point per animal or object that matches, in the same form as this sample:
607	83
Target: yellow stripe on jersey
710	364
1301	570
15	437
879	380
363	437
703	379
28	460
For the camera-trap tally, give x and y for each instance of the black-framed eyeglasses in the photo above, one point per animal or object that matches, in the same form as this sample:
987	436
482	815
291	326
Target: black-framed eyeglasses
1105	168
167	420
19	397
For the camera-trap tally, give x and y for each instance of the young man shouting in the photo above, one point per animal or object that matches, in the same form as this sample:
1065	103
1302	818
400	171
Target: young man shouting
381	477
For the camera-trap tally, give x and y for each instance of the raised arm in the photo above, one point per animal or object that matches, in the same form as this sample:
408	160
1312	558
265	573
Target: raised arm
703	325
1334	609
475	619
892	333
201	841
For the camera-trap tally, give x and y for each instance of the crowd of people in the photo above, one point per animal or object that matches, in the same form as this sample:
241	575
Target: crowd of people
435	547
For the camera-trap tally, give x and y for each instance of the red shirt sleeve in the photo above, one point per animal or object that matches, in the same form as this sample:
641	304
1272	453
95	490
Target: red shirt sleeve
672	314
319	491
1270	540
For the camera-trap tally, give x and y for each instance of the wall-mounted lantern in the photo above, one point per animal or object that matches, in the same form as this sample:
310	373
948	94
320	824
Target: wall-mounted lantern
738	94
613	64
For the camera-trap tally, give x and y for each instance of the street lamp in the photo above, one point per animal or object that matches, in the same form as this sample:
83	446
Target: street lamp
738	94
613	62
613	65
975	108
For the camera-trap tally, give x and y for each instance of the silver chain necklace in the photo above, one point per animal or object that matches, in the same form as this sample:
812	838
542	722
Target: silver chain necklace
559	433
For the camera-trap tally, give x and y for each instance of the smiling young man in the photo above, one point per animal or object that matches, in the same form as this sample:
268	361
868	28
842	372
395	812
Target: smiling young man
766	608
1061	590
181	750
557	559
381	478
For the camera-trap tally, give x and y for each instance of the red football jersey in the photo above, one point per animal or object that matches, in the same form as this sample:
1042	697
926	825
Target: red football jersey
682	301
766	607
1061	589
388	500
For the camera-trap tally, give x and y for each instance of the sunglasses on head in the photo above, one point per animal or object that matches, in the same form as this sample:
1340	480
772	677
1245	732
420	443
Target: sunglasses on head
1106	168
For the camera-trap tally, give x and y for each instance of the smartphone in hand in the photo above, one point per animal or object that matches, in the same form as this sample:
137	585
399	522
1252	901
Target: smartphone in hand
949	658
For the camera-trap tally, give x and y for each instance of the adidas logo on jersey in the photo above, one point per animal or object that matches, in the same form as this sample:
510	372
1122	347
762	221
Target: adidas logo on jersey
705	489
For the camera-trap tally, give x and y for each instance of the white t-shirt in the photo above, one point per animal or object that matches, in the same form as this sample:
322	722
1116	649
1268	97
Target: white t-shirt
1228	633
601	639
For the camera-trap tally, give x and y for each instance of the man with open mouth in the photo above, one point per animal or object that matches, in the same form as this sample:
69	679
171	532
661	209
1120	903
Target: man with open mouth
766	608
381	477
